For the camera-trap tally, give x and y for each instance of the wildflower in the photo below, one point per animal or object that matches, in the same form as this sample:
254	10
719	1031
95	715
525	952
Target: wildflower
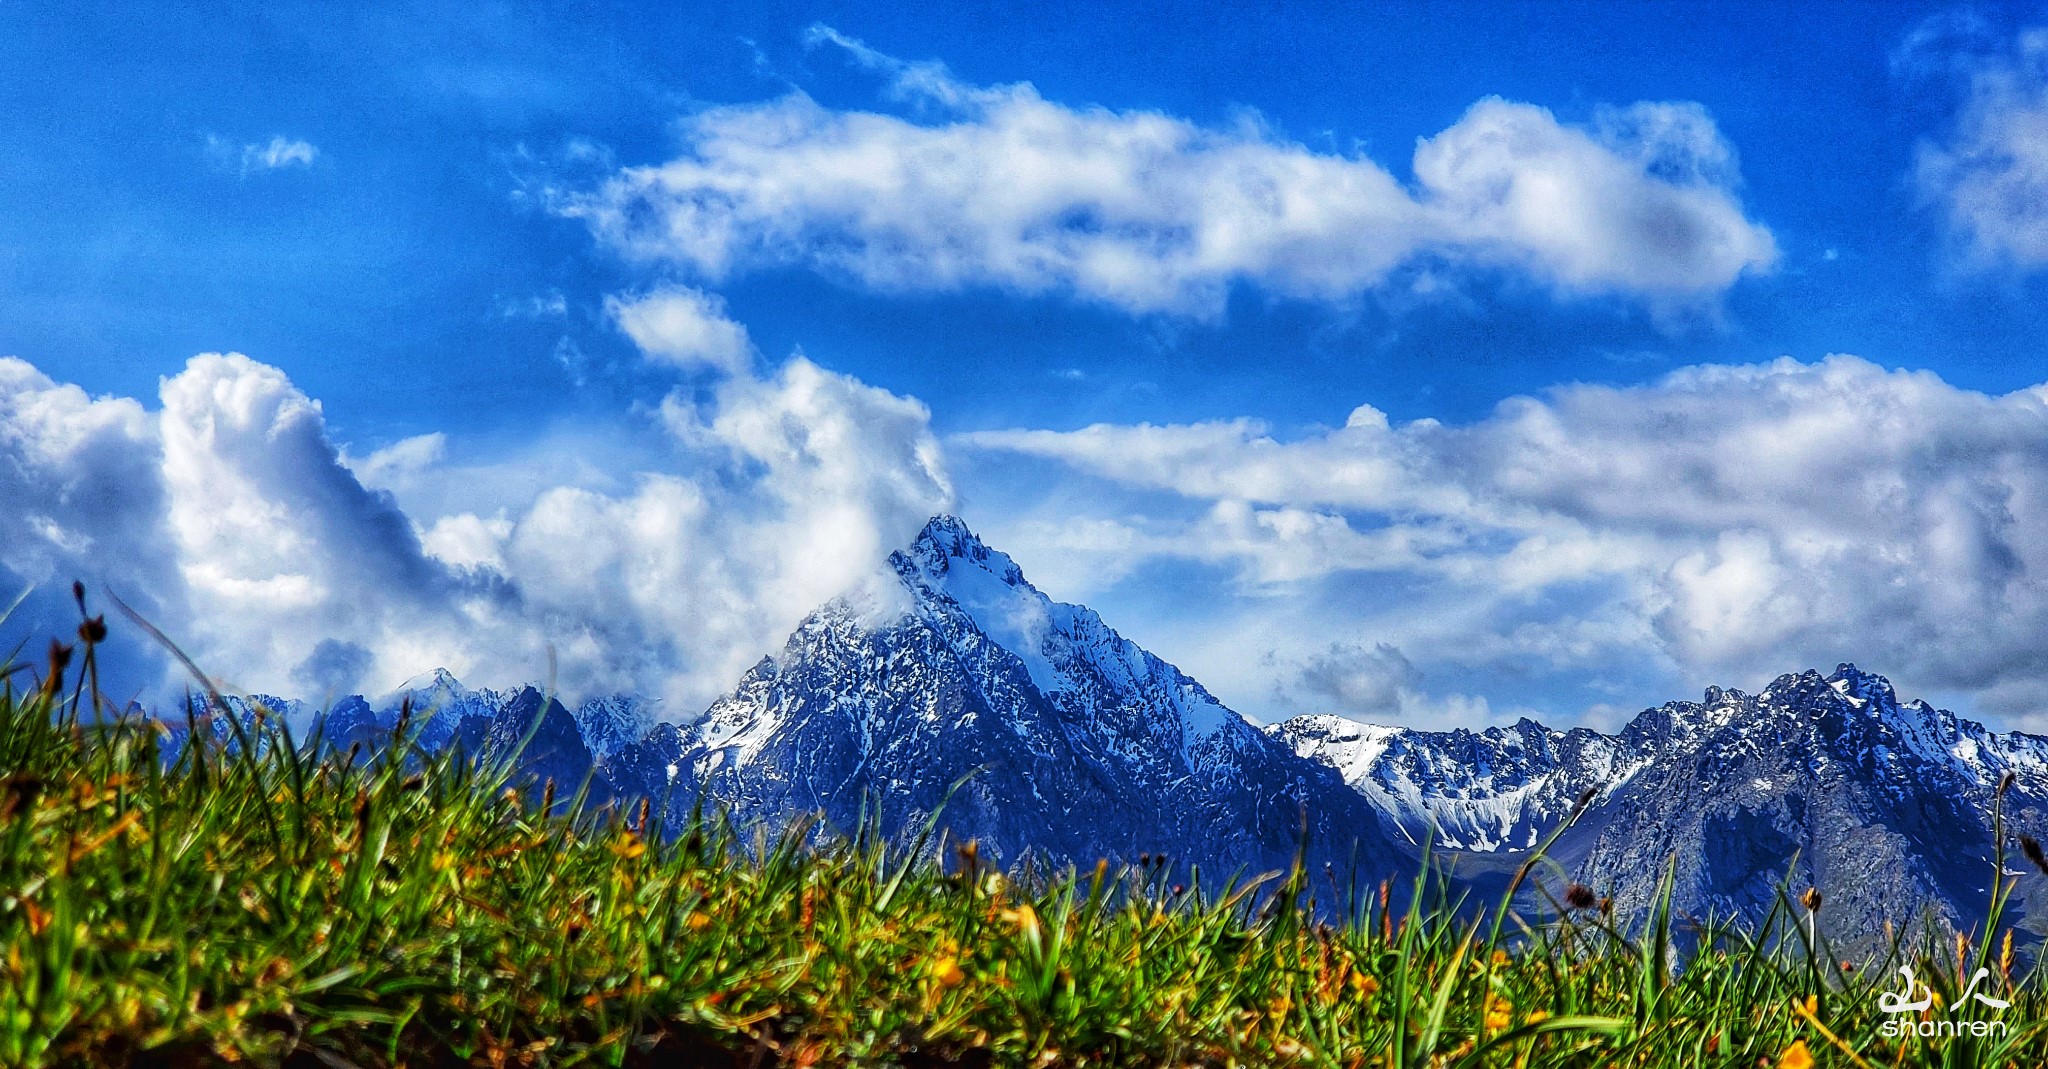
1607	905
1500	1013
1535	1016
1580	896
1365	985
93	631
1796	1056
945	969
1500	959
1811	900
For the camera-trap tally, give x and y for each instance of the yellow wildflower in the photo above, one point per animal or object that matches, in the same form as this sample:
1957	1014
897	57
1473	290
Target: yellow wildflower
1796	1056
946	970
1499	1012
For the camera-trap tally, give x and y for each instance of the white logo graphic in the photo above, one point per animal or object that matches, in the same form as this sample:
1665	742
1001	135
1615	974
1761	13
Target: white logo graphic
1903	1002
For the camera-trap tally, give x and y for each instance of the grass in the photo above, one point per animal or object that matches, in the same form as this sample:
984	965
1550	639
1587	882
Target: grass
264	901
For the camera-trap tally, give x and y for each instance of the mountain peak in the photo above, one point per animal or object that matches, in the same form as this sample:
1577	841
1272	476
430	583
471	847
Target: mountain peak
946	539
1864	686
439	681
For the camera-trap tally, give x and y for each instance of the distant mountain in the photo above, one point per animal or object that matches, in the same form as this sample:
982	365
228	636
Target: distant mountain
1827	781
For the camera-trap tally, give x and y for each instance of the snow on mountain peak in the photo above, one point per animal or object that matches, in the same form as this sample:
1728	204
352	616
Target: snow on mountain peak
1064	647
439	680
947	541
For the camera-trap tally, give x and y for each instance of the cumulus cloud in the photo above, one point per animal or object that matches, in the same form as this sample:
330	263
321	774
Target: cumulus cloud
1989	177
84	501
684	328
999	187
281	548
1730	521
284	565
79	476
805	481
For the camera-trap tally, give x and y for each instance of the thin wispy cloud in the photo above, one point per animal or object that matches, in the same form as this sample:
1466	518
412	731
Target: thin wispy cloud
277	154
1988	176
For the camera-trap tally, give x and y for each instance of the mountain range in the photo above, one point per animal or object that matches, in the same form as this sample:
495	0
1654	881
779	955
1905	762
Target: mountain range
944	687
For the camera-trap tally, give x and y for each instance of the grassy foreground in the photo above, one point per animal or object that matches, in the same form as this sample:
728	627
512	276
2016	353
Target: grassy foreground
262	903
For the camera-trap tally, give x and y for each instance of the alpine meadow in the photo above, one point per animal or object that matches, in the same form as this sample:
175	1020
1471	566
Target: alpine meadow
825	533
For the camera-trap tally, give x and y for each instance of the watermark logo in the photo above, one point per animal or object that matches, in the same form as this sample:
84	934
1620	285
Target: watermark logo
1902	1004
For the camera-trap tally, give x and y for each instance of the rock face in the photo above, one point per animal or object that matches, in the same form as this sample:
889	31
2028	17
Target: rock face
1825	781
947	678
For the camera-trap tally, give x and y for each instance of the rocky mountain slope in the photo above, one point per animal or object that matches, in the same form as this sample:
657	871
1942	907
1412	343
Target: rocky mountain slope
1826	781
1057	738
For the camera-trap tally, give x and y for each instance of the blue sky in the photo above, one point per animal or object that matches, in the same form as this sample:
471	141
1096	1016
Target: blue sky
440	220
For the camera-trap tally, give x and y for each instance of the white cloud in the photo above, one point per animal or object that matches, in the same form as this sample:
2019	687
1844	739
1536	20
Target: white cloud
1989	179
684	328
1152	213
399	460
804	482
282	549
1721	524
278	153
79	476
282	565
1724	522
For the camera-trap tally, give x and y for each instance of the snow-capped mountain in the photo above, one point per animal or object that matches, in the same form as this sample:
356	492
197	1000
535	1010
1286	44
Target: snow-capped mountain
1501	788
613	721
1066	741
1829	781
